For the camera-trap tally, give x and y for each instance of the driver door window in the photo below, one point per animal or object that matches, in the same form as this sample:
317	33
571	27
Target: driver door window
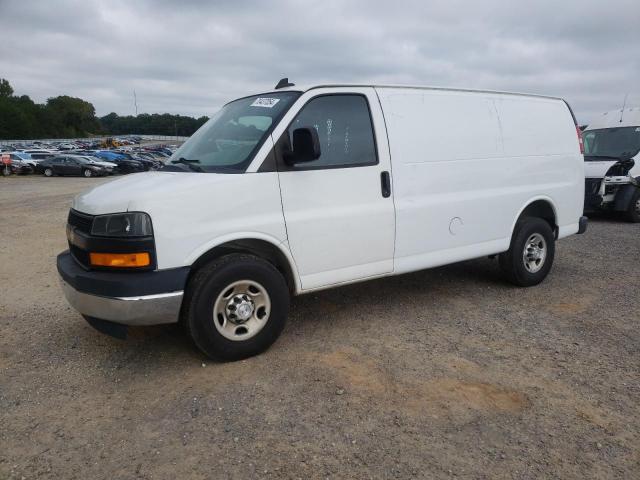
345	131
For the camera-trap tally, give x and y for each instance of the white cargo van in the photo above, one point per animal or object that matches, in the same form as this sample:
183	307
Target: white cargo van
612	163
301	189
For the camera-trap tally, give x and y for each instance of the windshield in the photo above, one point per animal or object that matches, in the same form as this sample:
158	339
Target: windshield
229	140
622	142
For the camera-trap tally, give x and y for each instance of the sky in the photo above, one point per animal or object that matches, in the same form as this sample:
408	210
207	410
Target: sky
192	56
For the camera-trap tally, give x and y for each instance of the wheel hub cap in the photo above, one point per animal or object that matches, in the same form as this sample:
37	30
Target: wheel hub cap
535	253
240	308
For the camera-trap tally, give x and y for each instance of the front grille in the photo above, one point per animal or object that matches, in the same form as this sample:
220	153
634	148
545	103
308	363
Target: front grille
80	221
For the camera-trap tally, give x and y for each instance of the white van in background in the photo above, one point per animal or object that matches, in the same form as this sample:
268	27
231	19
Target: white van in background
612	163
301	189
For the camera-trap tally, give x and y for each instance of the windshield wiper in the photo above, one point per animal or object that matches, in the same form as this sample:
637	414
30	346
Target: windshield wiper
190	164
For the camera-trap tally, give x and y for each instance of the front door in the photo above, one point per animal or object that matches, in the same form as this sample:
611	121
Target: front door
72	167
338	209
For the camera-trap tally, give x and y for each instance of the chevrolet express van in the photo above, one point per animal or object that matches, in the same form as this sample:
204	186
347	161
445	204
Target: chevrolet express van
612	163
300	189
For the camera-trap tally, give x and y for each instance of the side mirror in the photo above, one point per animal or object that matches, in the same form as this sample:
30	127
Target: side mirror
305	146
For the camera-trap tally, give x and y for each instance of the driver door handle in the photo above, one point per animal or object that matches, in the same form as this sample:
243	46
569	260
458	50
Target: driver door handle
385	184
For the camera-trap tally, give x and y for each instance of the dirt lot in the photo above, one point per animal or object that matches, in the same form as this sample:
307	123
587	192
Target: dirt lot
447	373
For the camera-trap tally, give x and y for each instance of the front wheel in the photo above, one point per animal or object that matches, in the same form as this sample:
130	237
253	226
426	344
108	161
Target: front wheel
236	306
530	255
633	213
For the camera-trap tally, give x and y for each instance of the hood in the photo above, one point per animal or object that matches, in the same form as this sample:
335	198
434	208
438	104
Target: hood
607	168
598	169
140	191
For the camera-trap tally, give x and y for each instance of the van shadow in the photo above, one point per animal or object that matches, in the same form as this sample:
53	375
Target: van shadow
428	287
155	349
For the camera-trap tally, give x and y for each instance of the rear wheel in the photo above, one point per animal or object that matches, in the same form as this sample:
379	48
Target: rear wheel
87	173
633	213
530	255
48	172
236	306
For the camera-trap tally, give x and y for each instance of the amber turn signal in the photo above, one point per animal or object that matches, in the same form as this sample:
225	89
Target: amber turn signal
123	260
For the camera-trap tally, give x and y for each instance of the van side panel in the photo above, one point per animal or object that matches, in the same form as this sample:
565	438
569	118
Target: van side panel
465	164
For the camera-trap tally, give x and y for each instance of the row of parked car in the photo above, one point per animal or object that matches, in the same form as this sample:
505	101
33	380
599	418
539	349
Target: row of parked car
77	144
84	161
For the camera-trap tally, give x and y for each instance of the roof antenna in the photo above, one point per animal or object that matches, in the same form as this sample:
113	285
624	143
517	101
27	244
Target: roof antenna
623	105
284	82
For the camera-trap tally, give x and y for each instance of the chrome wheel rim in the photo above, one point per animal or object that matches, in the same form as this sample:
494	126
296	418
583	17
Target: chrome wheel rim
87	173
241	310
535	253
48	172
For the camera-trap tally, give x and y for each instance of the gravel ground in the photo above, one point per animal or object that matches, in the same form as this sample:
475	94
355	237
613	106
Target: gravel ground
445	373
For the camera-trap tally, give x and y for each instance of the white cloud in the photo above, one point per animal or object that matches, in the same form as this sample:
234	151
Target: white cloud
190	57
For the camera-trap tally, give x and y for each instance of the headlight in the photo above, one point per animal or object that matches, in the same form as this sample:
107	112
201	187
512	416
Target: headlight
134	224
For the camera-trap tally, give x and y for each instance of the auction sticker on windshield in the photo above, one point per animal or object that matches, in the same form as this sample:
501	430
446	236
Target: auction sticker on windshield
265	102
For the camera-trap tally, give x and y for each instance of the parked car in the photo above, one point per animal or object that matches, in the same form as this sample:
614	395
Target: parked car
124	164
34	151
66	146
69	165
39	156
19	164
23	158
612	163
146	163
358	182
109	167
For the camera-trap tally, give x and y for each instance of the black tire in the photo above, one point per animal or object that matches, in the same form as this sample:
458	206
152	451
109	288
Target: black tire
209	282
48	172
633	213
87	173
512	261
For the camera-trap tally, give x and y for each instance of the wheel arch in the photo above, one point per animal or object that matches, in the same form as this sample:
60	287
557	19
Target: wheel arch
266	248
539	207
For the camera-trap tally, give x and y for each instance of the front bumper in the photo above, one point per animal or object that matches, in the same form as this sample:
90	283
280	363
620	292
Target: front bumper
126	298
609	193
145	310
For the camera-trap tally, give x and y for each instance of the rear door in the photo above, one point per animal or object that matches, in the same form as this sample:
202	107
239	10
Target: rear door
338	209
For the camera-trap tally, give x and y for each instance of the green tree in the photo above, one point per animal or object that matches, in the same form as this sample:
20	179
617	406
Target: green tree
74	116
5	88
65	116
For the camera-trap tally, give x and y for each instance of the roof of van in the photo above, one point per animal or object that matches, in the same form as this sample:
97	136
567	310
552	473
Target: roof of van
627	117
304	88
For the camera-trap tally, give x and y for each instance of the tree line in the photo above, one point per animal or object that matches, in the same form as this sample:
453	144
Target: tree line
69	117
